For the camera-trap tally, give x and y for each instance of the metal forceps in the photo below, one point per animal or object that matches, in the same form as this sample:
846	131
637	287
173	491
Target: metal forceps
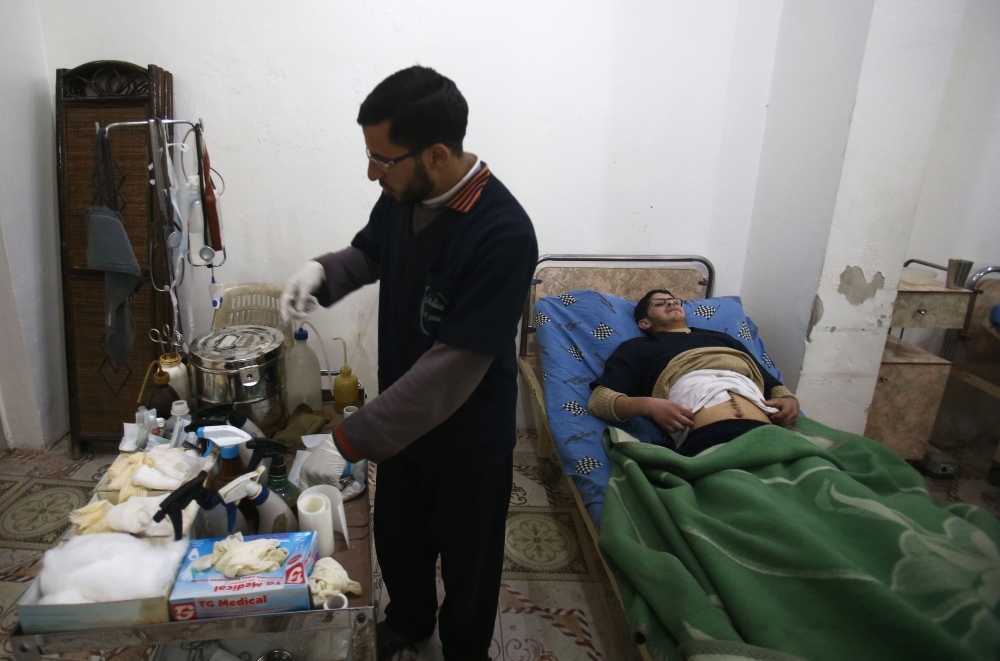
162	337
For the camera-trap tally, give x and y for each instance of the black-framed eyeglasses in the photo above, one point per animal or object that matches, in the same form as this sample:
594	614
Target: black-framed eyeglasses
661	302
385	165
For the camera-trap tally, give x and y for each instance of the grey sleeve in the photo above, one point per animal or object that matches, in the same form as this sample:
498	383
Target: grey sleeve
428	394
346	270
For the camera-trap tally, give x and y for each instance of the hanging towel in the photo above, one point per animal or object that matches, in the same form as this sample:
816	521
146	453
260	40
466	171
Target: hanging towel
109	250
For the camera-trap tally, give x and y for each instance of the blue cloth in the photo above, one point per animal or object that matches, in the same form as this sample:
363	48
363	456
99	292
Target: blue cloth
577	332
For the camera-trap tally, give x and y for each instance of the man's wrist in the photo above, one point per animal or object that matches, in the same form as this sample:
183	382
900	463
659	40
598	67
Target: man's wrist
781	392
344	446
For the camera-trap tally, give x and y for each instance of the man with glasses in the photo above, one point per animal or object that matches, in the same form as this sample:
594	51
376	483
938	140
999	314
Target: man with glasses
454	253
701	386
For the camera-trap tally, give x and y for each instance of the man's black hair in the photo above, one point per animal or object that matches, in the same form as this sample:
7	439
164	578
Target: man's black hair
423	107
642	307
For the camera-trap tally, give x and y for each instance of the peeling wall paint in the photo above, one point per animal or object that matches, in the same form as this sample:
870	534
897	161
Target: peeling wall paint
855	288
815	316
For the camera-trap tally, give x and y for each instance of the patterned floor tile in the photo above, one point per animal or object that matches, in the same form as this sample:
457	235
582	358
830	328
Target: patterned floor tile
34	516
19	565
92	469
546	543
542	620
980	493
9	593
527	441
528	488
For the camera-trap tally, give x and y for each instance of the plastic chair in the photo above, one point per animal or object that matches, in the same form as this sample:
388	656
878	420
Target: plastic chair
254	303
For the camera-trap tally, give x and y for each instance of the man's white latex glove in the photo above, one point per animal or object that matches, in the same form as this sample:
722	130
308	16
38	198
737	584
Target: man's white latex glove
298	299
324	466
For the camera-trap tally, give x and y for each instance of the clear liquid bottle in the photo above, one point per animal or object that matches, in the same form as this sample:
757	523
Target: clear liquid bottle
302	381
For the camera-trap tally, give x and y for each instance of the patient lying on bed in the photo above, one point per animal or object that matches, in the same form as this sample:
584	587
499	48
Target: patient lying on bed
700	385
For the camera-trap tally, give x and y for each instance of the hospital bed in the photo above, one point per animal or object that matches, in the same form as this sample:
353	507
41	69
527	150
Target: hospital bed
627	277
812	541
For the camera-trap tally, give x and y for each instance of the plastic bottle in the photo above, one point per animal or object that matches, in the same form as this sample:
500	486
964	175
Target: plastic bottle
172	365
345	389
302	381
163	396
180	417
230	467
277	482
275	514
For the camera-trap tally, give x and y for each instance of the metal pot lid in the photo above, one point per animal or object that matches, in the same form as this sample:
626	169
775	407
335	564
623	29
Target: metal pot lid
233	347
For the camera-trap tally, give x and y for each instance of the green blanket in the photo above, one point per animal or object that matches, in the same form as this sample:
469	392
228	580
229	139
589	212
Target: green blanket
812	544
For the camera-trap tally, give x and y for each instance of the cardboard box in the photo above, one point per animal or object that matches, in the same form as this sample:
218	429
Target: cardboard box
37	618
209	594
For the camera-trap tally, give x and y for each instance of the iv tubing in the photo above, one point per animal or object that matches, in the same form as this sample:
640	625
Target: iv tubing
345	349
145	380
326	358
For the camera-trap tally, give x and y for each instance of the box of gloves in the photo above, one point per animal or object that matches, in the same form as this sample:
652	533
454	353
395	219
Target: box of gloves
253	575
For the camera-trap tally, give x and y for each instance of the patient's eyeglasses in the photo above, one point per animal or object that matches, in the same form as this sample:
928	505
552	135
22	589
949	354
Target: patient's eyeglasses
664	302
385	165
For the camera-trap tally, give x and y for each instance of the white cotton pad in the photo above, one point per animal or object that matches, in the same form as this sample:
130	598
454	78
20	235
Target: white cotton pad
80	570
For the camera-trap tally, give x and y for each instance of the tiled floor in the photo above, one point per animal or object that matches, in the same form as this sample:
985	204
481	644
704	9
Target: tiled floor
555	602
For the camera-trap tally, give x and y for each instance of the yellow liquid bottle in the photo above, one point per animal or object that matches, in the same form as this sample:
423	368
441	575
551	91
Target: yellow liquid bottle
345	389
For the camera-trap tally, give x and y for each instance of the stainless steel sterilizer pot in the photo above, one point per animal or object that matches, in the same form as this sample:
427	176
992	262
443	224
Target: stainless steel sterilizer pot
243	366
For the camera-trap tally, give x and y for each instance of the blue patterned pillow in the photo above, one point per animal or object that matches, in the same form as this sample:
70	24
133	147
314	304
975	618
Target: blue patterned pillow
725	314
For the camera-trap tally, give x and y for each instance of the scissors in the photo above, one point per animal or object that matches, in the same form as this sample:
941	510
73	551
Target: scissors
162	337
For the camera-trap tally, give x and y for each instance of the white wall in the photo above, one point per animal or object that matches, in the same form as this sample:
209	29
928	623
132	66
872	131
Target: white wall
958	215
905	70
816	68
638	127
621	127
34	379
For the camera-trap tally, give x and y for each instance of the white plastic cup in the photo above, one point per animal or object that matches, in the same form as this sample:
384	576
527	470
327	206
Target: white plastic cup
336	602
348	410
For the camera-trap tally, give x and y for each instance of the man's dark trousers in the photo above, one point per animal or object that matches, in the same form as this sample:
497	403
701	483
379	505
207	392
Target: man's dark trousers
456	507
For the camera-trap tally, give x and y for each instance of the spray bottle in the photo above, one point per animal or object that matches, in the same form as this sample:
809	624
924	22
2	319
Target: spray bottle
195	490
225	414
275	515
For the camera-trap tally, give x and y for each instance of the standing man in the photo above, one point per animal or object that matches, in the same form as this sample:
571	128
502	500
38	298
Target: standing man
454	252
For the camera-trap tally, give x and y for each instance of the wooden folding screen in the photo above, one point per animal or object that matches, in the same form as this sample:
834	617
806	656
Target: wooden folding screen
102	397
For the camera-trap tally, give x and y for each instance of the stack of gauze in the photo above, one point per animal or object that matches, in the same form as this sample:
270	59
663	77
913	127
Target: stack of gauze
80	571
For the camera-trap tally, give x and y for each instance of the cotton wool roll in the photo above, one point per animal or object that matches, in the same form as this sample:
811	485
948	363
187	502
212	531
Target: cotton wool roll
108	567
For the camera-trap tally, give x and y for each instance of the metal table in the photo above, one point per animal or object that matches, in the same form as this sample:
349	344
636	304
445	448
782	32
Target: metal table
347	634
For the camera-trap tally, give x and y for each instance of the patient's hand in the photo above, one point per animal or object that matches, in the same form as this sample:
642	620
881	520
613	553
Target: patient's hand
788	411
669	415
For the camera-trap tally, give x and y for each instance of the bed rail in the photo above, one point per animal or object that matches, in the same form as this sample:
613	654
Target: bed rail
527	320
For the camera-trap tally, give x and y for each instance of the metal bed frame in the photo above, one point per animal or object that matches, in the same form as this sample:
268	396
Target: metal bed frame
550	468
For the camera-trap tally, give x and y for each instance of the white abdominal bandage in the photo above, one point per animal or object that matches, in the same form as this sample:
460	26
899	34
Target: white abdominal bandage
702	389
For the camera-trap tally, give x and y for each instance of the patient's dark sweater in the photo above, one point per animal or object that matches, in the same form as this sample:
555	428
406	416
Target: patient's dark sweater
636	364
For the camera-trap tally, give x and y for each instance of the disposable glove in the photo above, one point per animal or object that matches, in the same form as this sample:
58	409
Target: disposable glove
329	578
298	299
324	466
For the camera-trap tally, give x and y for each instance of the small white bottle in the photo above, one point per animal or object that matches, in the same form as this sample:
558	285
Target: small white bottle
180	417
303	383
